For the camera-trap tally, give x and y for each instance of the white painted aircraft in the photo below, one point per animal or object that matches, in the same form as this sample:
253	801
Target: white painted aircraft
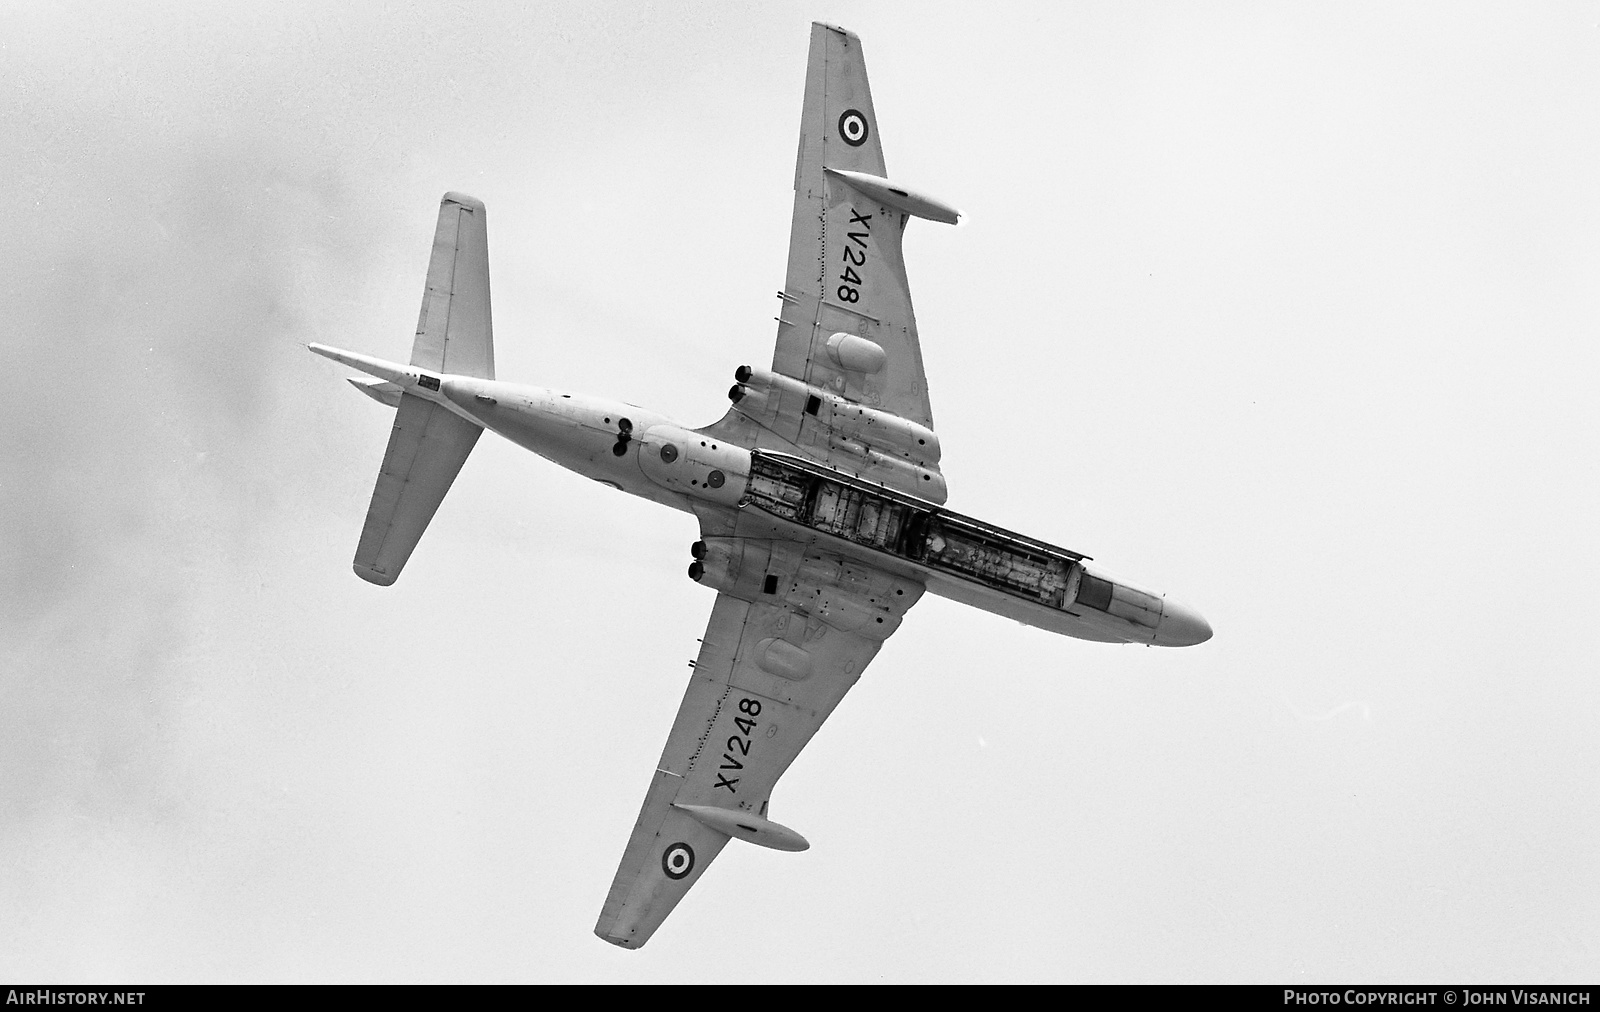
819	494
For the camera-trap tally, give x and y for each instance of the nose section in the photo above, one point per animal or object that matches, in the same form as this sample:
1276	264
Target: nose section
1180	626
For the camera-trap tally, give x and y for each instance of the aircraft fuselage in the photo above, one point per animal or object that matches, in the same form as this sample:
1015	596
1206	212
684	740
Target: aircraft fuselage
647	454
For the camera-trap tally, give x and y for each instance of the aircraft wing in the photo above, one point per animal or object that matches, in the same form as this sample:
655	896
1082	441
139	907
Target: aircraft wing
773	664
846	326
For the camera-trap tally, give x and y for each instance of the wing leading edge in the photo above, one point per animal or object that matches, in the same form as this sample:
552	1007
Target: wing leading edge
789	635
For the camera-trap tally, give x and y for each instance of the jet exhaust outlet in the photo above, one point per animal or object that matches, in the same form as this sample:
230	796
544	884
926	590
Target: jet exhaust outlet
624	436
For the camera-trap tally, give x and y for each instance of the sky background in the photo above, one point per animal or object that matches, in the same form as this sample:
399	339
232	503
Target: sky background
1287	310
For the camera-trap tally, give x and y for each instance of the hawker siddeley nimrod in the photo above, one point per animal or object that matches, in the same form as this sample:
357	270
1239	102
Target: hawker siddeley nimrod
818	494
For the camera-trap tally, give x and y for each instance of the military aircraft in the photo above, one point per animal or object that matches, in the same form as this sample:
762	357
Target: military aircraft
818	494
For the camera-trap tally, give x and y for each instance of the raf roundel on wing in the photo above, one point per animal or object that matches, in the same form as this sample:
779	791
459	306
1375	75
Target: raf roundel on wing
678	860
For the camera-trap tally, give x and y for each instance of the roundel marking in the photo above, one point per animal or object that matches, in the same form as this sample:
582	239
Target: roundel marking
677	860
853	127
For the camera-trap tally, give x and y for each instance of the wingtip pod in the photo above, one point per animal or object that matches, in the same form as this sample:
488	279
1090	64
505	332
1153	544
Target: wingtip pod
746	826
918	205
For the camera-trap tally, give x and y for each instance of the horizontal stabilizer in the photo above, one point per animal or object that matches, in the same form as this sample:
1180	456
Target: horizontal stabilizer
379	390
428	443
392	372
427	447
454	334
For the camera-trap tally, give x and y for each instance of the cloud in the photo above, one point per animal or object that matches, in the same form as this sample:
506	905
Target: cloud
170	246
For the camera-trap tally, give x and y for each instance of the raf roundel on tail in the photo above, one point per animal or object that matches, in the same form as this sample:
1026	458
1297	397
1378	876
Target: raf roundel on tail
819	494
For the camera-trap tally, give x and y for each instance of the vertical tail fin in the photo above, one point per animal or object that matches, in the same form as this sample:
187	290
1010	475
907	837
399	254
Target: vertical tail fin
428	443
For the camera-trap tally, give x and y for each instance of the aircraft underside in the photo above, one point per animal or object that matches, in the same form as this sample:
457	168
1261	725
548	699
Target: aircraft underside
819	494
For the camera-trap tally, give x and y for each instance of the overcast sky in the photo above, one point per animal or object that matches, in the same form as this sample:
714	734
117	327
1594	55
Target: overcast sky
1287	310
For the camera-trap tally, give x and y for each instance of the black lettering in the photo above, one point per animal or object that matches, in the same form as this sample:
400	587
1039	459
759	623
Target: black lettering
742	744
723	781
857	219
850	275
859	238
850	256
745	725
732	763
